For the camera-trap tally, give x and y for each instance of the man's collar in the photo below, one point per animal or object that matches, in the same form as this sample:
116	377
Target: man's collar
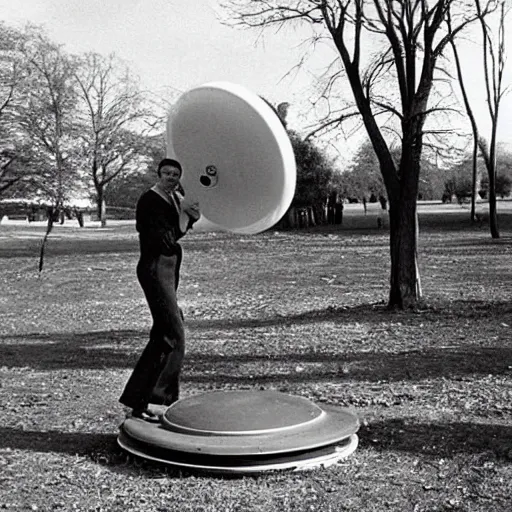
164	195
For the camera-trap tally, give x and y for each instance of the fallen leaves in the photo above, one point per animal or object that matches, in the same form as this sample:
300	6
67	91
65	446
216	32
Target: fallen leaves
303	314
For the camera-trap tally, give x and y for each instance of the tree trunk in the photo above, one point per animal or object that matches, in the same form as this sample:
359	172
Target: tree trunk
321	213
493	212
101	207
49	227
310	215
489	156
292	217
79	217
474	177
405	290
103	217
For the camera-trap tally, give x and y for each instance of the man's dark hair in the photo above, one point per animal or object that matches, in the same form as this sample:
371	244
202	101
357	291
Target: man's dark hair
171	162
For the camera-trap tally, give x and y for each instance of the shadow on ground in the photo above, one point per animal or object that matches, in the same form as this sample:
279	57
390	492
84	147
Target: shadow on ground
76	443
89	350
378	313
30	248
372	367
438	439
431	439
120	349
100	448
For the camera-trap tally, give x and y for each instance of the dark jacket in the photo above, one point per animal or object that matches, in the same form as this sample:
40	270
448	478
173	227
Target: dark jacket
157	222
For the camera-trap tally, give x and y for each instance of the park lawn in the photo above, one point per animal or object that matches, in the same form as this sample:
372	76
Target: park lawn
299	312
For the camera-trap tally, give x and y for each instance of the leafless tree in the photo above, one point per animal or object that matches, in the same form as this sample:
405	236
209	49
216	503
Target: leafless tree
379	43
48	118
114	111
13	74
493	53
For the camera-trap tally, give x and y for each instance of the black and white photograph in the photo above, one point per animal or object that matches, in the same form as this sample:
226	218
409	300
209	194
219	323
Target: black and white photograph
256	255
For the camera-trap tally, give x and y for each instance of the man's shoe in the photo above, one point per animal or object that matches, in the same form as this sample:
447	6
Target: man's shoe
146	415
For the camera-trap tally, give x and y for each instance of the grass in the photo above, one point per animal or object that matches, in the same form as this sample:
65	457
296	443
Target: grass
299	312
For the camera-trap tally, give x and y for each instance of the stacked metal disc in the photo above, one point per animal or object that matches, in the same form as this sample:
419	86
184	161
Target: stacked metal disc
244	432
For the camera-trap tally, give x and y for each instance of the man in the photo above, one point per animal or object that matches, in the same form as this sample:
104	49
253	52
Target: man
155	378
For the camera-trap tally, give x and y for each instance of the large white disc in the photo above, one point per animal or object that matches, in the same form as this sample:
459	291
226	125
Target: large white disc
237	158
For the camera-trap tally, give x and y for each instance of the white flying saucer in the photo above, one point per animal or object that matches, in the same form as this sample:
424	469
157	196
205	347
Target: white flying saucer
237	158
242	432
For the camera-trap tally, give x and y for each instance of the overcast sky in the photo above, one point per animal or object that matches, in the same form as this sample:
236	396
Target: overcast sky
168	42
181	43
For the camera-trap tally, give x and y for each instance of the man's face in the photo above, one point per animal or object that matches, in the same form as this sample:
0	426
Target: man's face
169	177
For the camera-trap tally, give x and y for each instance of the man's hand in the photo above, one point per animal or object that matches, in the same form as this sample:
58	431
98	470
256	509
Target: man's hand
191	209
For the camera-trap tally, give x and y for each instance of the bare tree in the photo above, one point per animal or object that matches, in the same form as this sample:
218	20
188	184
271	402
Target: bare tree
125	190
49	116
49	121
13	74
474	127
408	37
8	178
114	112
493	53
494	66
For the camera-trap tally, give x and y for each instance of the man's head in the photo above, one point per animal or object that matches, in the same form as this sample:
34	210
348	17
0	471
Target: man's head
169	173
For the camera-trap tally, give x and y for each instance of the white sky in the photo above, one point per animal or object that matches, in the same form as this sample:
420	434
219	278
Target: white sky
180	43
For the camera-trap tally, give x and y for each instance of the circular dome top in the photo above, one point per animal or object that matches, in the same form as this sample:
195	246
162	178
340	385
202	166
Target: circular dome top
236	423
256	413
237	158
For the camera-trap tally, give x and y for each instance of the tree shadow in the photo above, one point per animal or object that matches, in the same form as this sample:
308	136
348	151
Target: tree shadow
75	443
65	247
437	439
101	448
120	349
373	313
441	440
413	365
483	243
434	222
89	350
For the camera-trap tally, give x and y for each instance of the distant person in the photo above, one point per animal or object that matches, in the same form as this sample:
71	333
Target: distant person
331	207
155	378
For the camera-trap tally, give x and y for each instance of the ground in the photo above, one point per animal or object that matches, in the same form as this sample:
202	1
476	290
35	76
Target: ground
300	312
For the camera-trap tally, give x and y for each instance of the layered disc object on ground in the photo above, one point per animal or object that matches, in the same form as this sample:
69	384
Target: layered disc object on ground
244	431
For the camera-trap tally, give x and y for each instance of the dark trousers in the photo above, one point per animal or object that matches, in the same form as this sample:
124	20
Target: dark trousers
155	378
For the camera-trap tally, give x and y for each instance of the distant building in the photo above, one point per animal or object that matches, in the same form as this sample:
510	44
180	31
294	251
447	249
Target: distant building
32	210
